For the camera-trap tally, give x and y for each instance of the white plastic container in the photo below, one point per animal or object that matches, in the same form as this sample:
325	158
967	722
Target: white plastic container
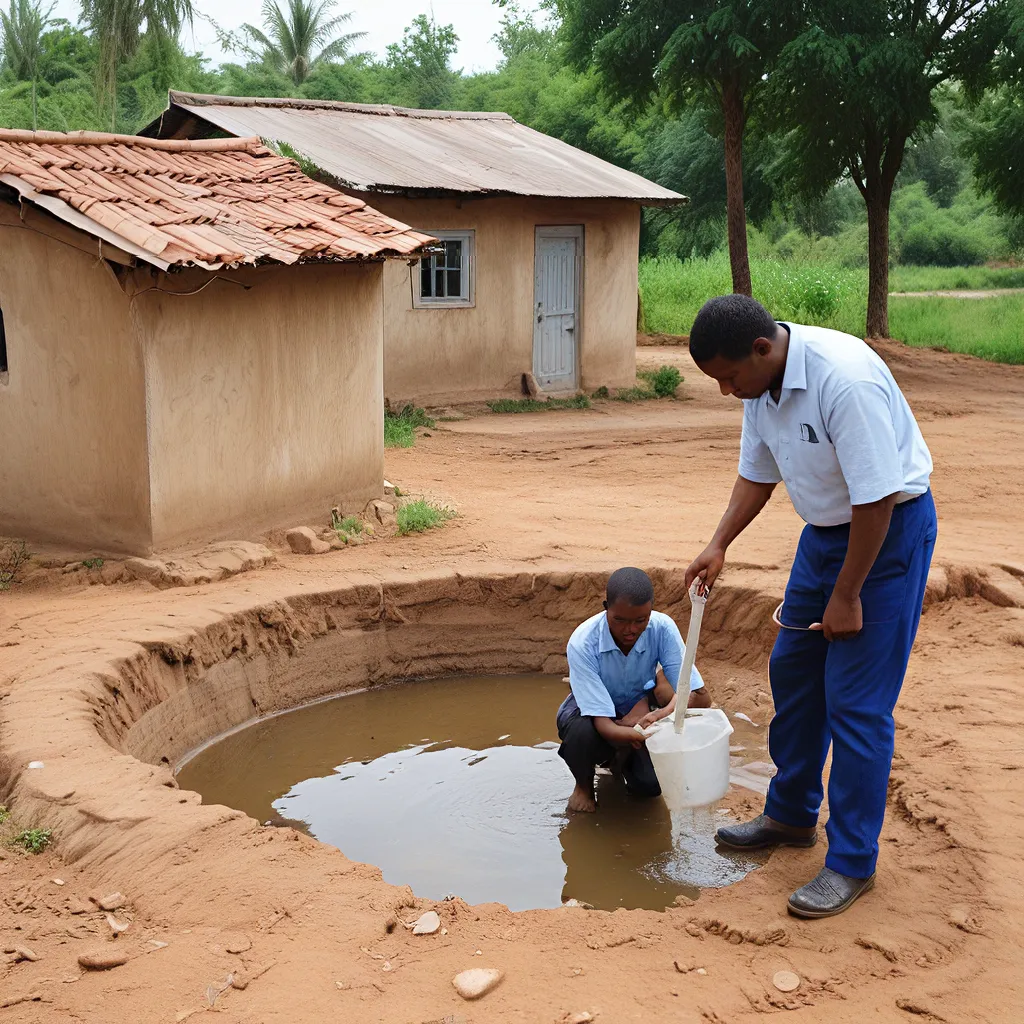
692	766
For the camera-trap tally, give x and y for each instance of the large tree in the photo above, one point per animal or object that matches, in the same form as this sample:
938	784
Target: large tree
21	36
421	64
996	138
295	41
119	27
858	82
716	53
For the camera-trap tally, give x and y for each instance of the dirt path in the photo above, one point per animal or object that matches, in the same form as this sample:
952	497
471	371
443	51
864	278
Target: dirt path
555	493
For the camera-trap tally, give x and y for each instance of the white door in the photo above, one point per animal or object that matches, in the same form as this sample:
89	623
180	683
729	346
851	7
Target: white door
556	304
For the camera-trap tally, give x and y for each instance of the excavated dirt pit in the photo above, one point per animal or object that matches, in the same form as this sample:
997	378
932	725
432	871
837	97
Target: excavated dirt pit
448	787
456	787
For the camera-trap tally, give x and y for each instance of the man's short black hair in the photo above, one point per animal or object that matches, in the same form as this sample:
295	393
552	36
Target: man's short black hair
631	585
728	326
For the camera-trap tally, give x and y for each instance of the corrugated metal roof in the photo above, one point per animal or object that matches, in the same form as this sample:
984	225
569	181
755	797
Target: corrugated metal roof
392	149
208	203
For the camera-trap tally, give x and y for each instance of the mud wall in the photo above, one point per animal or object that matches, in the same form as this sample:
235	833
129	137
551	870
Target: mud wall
175	695
73	458
263	401
433	356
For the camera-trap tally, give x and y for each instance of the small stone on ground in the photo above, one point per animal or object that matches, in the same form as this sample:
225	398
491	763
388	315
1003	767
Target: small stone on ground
303	541
477	982
112	902
427	924
786	981
102	960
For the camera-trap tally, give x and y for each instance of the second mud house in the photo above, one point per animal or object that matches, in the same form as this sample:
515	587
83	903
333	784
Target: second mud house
539	267
191	340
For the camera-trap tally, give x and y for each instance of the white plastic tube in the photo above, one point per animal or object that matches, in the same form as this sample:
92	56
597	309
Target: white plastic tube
697	602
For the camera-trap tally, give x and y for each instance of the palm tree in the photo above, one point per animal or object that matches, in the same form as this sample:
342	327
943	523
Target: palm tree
21	30
291	38
119	27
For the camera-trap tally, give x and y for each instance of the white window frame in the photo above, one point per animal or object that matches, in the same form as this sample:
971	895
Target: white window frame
467	298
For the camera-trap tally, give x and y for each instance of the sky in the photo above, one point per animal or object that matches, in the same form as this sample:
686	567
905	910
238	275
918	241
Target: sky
475	22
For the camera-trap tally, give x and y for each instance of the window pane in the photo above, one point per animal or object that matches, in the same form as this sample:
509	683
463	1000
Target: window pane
453	255
439	291
454	283
425	291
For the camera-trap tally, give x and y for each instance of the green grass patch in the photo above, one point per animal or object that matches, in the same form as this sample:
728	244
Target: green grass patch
992	329
35	840
400	428
660	383
419	516
536	405
4	814
637	394
935	279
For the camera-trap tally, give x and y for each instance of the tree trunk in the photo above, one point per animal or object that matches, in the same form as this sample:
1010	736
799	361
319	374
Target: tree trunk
735	118
877	200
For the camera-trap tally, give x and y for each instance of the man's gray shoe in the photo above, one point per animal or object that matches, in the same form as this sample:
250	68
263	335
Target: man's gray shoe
828	894
761	833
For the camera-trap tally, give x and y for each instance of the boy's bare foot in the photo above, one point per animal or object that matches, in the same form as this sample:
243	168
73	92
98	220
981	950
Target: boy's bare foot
699	698
581	800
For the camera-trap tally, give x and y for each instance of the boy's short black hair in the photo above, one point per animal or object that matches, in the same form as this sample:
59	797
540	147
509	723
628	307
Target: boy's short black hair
728	326
631	585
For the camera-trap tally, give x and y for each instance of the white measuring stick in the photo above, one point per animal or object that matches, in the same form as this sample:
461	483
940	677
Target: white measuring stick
697	602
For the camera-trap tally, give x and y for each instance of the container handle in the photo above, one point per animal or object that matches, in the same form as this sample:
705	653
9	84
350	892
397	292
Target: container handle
777	619
697	602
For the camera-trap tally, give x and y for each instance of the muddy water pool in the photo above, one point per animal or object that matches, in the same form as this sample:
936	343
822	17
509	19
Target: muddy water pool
455	786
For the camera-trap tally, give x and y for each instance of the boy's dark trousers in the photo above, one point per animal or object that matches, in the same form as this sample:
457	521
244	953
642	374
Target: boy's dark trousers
583	749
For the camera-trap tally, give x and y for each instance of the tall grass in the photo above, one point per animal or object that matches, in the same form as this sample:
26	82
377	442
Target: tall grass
674	291
992	329
836	297
933	279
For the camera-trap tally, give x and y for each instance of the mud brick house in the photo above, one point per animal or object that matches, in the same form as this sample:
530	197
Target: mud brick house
191	340
539	266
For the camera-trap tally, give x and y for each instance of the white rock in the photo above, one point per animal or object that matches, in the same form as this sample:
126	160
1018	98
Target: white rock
477	982
580	1017
427	924
117	926
36	764
786	981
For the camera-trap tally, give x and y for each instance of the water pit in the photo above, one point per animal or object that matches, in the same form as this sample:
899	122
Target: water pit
455	786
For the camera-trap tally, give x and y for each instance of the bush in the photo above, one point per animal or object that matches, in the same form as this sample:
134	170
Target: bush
941	243
35	840
663	381
13	558
418	516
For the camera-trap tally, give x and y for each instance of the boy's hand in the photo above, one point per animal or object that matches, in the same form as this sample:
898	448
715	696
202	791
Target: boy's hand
636	713
656	716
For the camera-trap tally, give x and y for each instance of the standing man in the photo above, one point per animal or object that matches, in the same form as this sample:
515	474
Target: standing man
624	663
823	414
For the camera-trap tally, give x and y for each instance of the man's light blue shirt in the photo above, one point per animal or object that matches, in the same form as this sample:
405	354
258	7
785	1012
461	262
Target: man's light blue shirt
607	683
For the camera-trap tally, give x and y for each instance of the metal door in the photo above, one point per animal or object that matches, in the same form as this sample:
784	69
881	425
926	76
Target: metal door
556	306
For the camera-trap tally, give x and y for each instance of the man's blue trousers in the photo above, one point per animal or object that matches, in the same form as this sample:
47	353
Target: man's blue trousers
843	693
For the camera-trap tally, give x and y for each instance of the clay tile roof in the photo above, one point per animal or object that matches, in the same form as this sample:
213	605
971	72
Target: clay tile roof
211	202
